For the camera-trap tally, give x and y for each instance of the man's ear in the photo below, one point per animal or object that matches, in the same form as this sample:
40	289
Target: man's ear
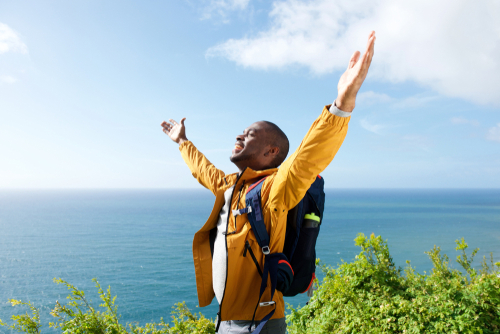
272	151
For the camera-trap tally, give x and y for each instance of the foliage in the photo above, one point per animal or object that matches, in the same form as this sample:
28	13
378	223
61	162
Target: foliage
25	322
372	295
368	295
78	316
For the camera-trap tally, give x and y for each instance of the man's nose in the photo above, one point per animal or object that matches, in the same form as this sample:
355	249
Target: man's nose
239	138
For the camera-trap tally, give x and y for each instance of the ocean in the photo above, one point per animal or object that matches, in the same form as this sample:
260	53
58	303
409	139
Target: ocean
139	241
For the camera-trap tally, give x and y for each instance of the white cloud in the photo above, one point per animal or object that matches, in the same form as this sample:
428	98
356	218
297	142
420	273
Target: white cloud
371	97
223	7
451	46
461	120
494	133
375	128
415	101
10	41
7	79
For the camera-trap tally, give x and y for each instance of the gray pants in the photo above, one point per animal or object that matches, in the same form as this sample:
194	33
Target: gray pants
273	326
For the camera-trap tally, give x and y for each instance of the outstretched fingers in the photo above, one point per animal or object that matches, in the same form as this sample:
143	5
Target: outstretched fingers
370	46
366	59
167	127
354	59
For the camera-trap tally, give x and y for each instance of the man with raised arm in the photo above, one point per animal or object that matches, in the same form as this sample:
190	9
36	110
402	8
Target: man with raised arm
220	267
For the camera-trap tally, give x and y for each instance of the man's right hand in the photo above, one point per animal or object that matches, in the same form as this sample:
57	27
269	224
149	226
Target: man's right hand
176	131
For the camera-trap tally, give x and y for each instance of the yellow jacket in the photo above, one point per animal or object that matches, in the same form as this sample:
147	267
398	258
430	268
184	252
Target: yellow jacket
282	190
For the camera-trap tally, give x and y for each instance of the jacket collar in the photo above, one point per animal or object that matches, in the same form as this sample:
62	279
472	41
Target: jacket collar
250	174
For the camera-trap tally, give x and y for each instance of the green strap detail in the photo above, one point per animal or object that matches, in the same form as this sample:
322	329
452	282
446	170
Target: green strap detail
312	216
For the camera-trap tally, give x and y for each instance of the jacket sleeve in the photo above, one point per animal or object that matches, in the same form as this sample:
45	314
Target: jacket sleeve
317	150
202	169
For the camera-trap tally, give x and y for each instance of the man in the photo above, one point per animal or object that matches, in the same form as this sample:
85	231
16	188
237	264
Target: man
219	248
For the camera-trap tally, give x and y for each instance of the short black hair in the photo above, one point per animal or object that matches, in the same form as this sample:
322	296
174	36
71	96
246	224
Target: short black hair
277	138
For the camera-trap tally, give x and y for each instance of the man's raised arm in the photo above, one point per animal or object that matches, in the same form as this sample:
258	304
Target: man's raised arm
202	169
326	135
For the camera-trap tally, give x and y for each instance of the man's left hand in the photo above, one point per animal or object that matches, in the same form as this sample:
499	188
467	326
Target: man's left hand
350	82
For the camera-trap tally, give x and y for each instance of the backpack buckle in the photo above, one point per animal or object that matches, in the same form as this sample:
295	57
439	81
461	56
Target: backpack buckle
272	302
266	251
248	209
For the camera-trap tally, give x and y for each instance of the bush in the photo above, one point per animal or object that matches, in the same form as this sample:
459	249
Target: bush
372	295
369	295
80	317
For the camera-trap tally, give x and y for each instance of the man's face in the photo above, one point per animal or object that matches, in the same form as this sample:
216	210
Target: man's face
250	148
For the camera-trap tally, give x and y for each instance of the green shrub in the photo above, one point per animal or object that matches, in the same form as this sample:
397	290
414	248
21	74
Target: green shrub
372	295
25	322
78	316
368	295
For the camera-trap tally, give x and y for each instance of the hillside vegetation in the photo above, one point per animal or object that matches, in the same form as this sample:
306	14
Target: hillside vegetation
368	295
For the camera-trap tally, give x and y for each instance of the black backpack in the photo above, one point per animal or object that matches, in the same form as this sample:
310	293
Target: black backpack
292	271
302	229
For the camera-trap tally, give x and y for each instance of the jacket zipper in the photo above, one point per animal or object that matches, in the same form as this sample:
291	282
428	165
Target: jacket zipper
227	260
238	207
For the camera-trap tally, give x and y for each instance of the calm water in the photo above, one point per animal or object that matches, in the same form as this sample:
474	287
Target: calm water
139	242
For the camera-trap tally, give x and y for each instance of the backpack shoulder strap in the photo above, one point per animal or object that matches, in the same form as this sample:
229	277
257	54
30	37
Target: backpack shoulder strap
255	215
273	261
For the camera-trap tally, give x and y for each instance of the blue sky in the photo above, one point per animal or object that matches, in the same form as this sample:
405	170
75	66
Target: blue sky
84	86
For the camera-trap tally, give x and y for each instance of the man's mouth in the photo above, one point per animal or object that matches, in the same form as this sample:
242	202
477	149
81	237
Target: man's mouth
238	147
